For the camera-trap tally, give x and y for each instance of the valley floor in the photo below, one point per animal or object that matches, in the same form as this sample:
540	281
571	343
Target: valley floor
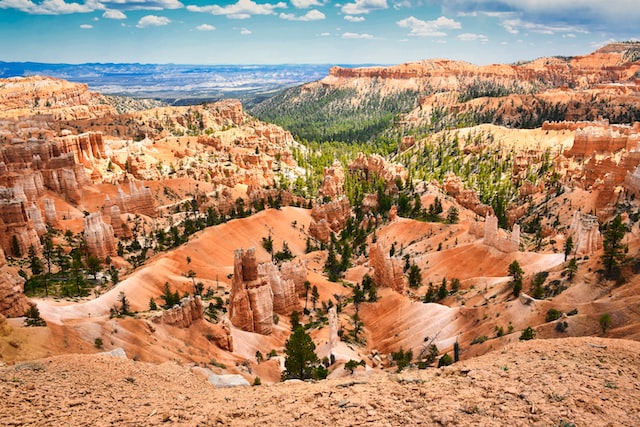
581	381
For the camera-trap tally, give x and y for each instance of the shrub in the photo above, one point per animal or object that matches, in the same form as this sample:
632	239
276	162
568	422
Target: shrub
527	334
351	365
257	381
445	360
98	342
552	315
605	322
562	326
479	339
33	317
402	358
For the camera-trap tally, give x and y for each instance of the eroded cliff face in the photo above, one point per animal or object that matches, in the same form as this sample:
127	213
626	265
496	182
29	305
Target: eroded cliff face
63	100
387	271
13	303
468	198
260	290
329	218
18	229
610	63
99	236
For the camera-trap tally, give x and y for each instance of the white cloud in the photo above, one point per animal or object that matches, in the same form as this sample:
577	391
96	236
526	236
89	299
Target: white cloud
354	18
153	21
356	36
360	7
312	15
245	31
140	4
205	27
305	4
86	26
433	28
49	7
243	9
60	7
470	37
514	26
325	34
114	14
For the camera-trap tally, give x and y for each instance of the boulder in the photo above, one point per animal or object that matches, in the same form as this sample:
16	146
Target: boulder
226	381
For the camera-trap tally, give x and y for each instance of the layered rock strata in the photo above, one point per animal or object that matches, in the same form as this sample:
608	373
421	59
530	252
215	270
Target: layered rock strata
387	271
99	236
493	236
586	233
329	218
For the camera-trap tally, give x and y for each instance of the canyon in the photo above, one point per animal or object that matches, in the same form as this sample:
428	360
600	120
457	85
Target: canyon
242	225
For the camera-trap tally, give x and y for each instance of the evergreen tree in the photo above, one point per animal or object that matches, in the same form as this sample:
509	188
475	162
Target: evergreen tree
516	272
415	276
300	358
612	245
442	290
568	247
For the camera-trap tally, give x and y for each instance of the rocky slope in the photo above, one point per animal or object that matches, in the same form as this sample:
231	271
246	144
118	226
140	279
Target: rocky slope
538	383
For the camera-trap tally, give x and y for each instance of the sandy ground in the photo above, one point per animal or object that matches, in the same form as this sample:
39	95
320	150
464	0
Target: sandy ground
586	381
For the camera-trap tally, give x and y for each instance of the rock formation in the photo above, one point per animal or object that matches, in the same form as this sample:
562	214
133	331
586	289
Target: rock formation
99	236
601	137
586	233
13	303
296	271
34	214
18	230
138	201
329	217
494	236
468	198
375	165
285	298
387	271
259	290
183	315
333	328
50	213
332	181
251	307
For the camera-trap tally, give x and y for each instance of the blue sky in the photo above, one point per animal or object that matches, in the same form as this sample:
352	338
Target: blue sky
308	31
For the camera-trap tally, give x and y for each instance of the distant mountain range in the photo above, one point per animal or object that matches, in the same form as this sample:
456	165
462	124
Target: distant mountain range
176	84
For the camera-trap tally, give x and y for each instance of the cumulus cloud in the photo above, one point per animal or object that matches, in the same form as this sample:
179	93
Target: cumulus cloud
591	15
114	14
312	15
433	28
305	4
49	7
61	7
360	7
141	4
515	26
356	36
470	37
245	31
205	27
153	21
354	18
86	26
243	9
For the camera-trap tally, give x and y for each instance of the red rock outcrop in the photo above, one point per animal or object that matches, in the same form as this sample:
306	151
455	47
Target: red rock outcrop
138	201
332	181
99	236
297	272
495	237
50	213
329	217
603	66
387	271
183	315
34	214
59	99
251	306
13	303
18	230
468	198
285	297
601	138
376	165
586	233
